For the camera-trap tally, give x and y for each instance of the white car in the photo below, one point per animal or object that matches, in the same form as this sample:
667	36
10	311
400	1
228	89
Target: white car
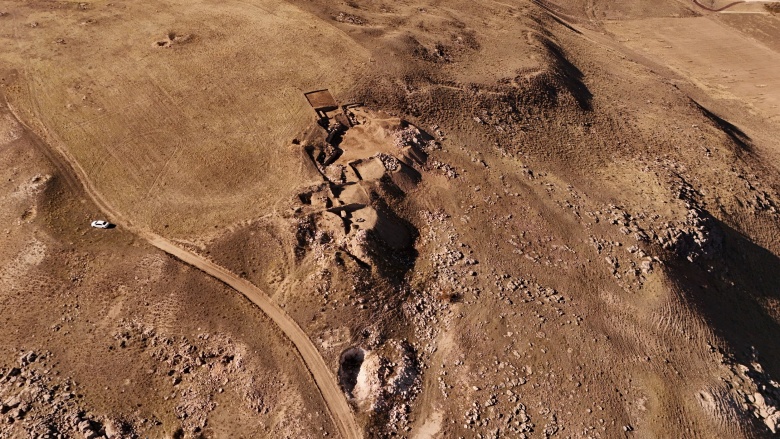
100	224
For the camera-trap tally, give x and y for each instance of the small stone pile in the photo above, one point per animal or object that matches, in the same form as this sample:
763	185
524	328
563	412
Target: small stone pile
38	403
762	397
198	370
446	170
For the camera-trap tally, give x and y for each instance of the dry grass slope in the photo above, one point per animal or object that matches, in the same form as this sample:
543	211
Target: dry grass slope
139	116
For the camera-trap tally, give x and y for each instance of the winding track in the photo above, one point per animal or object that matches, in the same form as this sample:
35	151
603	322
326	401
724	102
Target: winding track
336	402
718	9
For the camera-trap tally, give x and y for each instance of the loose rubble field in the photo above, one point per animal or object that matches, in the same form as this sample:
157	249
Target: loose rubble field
492	219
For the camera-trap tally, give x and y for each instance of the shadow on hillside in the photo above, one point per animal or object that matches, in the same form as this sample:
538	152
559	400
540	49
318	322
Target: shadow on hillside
737	135
733	298
569	75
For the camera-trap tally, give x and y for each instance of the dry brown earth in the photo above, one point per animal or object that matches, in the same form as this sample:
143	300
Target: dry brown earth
550	219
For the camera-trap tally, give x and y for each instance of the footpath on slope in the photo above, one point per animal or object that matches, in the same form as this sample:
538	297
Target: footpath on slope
334	398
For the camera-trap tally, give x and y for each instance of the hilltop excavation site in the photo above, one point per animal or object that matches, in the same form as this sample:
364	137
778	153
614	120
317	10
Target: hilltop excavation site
389	219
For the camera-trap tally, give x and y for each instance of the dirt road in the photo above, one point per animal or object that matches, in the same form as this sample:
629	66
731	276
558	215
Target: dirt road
337	404
717	9
334	398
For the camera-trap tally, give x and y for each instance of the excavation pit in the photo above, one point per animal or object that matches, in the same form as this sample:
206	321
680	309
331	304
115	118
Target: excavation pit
349	368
